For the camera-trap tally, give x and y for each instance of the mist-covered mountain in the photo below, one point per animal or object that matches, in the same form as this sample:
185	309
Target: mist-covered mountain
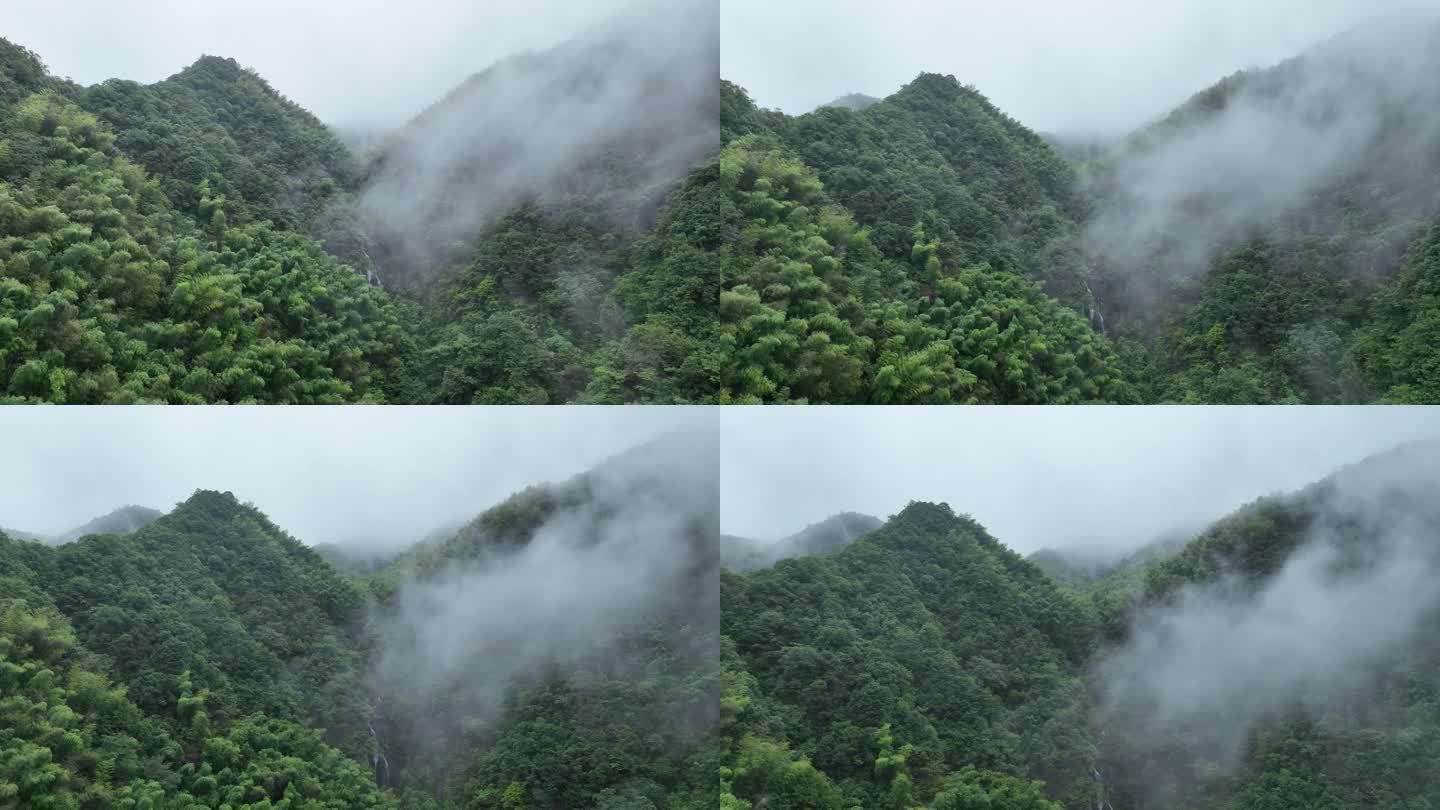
525	239
124	520
825	537
852	101
560	651
1283	657
1269	241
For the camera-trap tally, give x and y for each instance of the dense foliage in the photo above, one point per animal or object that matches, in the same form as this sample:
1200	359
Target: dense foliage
920	664
73	736
209	659
925	665
814	311
203	239
876	233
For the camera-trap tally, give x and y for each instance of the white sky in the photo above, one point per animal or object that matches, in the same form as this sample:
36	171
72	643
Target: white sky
351	62
1108	477
325	474
1103	66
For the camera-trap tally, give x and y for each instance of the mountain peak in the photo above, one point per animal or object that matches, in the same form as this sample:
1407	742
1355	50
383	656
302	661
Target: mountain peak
217	66
208	503
926	515
853	101
124	520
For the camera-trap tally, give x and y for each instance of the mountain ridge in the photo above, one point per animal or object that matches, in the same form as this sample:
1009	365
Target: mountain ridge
795	632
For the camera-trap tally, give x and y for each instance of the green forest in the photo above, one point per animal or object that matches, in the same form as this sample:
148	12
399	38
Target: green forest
927	665
208	659
204	239
928	248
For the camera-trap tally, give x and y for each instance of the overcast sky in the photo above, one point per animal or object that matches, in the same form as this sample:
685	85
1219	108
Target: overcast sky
372	63
323	474
1112	477
1104	66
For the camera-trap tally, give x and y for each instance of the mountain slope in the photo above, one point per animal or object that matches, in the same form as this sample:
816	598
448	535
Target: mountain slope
1284	657
813	311
1252	238
927	638
569	639
466	263
827	536
217	123
1249	248
1327	674
199	664
559	651
124	520
112	296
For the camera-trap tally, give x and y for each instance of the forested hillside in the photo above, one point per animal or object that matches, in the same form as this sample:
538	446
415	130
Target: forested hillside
204	239
1269	241
209	659
1283	658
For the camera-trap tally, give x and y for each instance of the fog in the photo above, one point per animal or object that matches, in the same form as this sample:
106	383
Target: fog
1356	112
370	478
1095	68
641	86
1315	635
634	544
356	63
1107	479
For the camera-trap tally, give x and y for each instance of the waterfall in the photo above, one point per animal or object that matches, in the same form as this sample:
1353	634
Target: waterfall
371	277
1092	310
377	759
1102	796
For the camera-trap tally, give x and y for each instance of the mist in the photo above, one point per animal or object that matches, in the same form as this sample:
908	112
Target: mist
367	479
637	93
357	65
1106	480
631	544
1099	68
1314	636
1357	110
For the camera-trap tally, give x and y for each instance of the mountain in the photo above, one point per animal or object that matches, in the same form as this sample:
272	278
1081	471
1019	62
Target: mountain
182	662
878	675
215	122
204	239
1270	218
852	101
827	536
876	259
1268	241
615	688
1282	657
553	656
124	520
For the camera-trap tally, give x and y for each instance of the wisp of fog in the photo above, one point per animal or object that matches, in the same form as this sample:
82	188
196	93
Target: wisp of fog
1211	663
1358	109
642	88
630	544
